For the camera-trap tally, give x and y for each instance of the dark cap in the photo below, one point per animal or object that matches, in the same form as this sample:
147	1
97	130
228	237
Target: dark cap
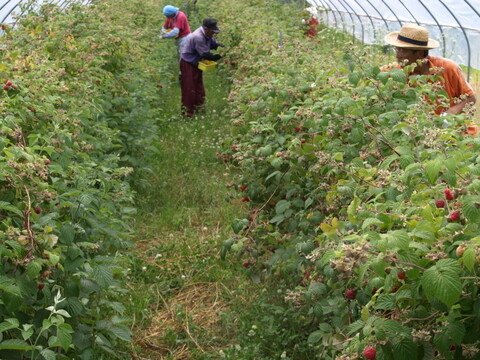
211	24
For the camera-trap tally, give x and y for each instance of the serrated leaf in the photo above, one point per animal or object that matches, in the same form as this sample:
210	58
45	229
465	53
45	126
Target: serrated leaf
404	348
9	207
48	354
64	335
383	77
14	344
398	75
355	327
398	239
371	221
33	268
103	275
469	209
432	169
442	281
354	78
122	332
468	258
385	302
282	206
315	337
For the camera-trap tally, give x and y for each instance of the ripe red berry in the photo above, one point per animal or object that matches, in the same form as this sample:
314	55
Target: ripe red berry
40	286
350	294
370	353
440	204
37	209
454	215
243	187
448	194
297	129
303	141
9	83
374	290
47	161
234	147
246	264
4	27
401	275
6	87
453	348
245	199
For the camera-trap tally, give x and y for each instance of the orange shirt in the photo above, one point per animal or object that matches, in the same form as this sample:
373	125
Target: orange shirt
453	81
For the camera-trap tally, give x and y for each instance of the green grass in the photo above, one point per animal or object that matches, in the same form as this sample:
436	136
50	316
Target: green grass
185	211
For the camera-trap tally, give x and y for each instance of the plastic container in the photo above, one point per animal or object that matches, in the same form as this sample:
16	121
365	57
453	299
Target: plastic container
206	65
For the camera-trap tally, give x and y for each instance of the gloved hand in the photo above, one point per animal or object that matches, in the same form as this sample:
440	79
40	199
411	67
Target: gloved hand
213	57
221	45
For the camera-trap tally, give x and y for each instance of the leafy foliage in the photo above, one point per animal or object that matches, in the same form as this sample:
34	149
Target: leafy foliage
342	162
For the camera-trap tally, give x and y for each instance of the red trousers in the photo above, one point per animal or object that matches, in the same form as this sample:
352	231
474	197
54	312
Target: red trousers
193	91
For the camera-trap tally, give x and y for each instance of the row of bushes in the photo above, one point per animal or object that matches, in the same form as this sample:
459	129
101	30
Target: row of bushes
365	208
77	124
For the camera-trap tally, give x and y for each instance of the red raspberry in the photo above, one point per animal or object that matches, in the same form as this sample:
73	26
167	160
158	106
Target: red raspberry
38	209
297	129
350	294
370	353
401	275
40	286
454	215
440	204
448	194
246	264
245	199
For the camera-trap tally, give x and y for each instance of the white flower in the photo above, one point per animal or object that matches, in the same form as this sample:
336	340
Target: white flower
144	268
158	256
313	85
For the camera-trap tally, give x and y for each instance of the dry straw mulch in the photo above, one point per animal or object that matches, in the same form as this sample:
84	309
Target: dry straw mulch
193	314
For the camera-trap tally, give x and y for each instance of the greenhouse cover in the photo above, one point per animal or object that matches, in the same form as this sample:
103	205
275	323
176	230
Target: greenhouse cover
454	23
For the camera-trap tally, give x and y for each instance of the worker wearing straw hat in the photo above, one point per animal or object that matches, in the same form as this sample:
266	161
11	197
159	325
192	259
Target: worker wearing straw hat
411	45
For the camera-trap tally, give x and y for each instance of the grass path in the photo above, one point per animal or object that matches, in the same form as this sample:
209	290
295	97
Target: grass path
181	289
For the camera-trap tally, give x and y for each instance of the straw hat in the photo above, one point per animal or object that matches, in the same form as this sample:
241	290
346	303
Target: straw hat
411	36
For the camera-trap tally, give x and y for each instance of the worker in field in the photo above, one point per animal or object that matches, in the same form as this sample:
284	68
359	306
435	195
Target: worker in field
198	47
176	26
411	45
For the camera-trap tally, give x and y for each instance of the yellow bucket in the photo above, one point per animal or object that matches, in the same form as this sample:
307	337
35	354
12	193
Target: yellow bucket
206	65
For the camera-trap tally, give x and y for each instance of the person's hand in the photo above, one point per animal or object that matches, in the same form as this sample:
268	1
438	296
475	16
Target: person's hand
216	57
221	45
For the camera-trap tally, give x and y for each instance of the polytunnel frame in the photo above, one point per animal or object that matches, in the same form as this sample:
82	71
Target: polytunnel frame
62	4
367	14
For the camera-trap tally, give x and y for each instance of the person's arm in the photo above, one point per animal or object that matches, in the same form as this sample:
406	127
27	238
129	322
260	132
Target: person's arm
458	108
171	34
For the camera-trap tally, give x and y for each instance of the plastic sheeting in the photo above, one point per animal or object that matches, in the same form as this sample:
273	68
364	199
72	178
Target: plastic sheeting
454	23
11	9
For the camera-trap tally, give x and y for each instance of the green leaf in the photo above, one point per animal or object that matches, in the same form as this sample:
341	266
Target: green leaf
470	210
404	349
354	78
432	169
33	268
282	206
398	239
9	207
67	234
442	281
355	327
315	337
398	75
371	221
122	332
385	302
48	354
14	344
9	324
103	275
383	77
64	335
468	258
